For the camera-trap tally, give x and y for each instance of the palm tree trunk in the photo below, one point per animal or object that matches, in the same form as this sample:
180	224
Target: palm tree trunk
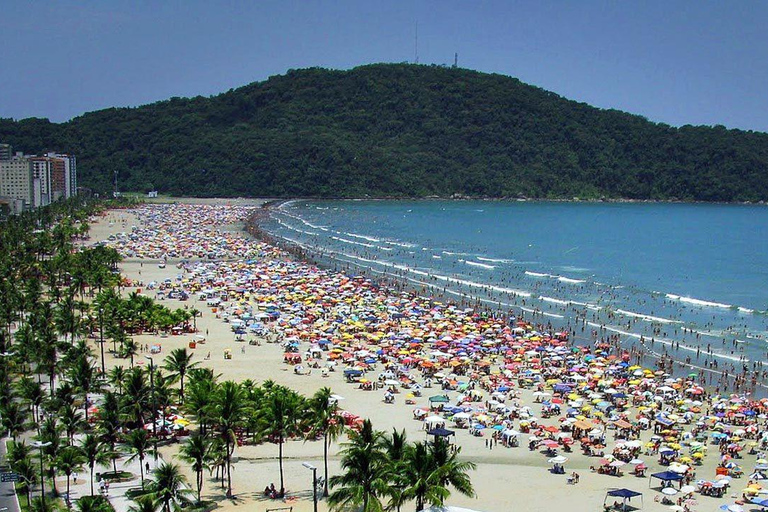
325	463
68	500
91	466
141	470
229	475
280	458
199	484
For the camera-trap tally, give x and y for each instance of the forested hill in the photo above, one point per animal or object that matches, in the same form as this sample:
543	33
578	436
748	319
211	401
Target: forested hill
400	130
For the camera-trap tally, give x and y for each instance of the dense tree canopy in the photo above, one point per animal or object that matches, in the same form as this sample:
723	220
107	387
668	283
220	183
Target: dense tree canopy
400	130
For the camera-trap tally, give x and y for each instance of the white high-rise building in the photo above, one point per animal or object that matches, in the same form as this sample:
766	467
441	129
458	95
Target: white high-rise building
16	180
42	176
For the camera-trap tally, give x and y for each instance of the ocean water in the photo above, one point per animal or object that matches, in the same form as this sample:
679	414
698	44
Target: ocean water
692	274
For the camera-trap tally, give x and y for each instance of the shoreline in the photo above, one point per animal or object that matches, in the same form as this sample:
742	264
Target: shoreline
677	366
497	467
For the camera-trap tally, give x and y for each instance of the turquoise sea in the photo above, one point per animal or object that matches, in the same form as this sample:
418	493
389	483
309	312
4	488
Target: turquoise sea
693	274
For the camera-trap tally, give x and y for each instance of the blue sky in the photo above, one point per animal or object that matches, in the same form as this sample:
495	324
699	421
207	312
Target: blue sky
678	62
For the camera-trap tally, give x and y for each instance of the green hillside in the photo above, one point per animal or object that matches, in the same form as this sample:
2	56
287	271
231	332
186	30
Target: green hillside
400	130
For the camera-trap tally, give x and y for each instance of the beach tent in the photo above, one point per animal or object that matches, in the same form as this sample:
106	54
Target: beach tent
624	494
666	476
441	432
434	421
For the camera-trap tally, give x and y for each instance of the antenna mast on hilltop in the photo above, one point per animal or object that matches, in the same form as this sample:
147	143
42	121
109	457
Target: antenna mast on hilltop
416	45
455	60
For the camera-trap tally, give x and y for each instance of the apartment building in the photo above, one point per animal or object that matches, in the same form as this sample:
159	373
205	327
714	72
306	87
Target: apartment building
16	181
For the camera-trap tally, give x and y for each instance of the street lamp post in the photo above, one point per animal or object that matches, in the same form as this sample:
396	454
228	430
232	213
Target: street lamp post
154	405
314	482
40	445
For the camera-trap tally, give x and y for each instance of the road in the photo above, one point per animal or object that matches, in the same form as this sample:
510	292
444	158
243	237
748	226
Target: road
8	501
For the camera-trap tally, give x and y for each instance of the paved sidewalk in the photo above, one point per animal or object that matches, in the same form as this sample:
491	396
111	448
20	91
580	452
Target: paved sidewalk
117	490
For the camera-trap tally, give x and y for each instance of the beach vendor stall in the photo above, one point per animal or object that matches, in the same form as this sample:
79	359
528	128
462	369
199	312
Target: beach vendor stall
666	477
432	422
441	432
437	402
624	495
352	375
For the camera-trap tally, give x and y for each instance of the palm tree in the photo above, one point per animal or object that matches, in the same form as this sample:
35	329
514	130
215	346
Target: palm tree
64	396
397	448
18	451
65	319
38	505
229	410
138	444
110	425
136	395
366	472
50	433
13	419
197	452
199	399
70	459
323	419
218	459
71	420
429	470
143	504
167	491
94	452
84	378
279	419
32	393
420	478
116	376
195	313
45	349
19	458
129	348
178	362
163	398
452	471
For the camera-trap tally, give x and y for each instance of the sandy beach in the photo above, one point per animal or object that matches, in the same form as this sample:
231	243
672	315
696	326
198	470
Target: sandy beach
505	478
